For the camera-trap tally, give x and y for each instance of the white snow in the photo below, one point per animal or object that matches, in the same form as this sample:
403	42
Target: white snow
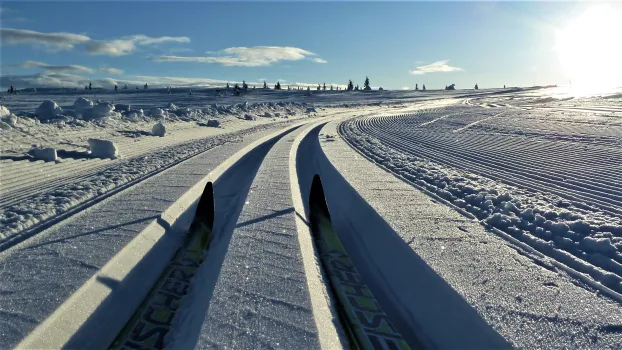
101	110
158	113
4	112
103	148
159	129
4	126
486	172
48	109
82	104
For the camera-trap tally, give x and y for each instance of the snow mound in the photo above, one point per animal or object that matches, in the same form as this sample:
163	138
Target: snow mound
158	113
46	154
48	109
159	129
4	112
135	115
8	120
82	104
103	148
100	111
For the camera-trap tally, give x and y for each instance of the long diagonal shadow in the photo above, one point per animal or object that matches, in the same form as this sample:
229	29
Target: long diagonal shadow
265	217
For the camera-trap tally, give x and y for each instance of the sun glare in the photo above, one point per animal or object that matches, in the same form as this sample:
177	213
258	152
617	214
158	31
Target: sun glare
590	49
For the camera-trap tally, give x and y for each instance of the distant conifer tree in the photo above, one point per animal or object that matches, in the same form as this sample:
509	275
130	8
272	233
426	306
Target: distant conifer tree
366	84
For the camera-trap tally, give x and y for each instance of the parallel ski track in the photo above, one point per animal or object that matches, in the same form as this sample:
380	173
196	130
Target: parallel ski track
557	167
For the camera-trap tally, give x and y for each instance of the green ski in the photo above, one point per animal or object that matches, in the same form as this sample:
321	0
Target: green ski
365	321
150	323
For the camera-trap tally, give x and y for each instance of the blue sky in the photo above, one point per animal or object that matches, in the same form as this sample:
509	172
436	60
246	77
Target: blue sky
397	44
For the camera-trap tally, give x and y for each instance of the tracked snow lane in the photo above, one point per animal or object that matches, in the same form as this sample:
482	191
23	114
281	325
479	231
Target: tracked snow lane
531	306
261	299
37	276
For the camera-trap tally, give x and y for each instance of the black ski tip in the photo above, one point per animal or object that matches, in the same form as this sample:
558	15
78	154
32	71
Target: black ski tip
317	199
205	209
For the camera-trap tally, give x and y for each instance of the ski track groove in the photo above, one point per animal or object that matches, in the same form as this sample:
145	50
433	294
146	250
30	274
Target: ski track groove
441	147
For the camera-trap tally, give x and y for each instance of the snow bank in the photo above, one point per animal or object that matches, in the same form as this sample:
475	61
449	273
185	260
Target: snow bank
159	129
103	148
46	154
48	109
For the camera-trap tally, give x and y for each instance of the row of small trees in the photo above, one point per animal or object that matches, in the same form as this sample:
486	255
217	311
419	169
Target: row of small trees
349	87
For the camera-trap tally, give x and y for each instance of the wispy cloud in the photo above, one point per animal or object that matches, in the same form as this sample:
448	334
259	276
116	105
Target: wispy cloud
245	56
16	19
72	68
68	41
319	60
127	45
113	71
54	41
439	66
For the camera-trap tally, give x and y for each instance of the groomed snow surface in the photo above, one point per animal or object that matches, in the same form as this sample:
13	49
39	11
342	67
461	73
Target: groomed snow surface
554	186
502	226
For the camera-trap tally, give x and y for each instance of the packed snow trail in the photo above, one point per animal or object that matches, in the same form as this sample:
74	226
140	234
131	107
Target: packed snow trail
261	299
529	302
39	274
